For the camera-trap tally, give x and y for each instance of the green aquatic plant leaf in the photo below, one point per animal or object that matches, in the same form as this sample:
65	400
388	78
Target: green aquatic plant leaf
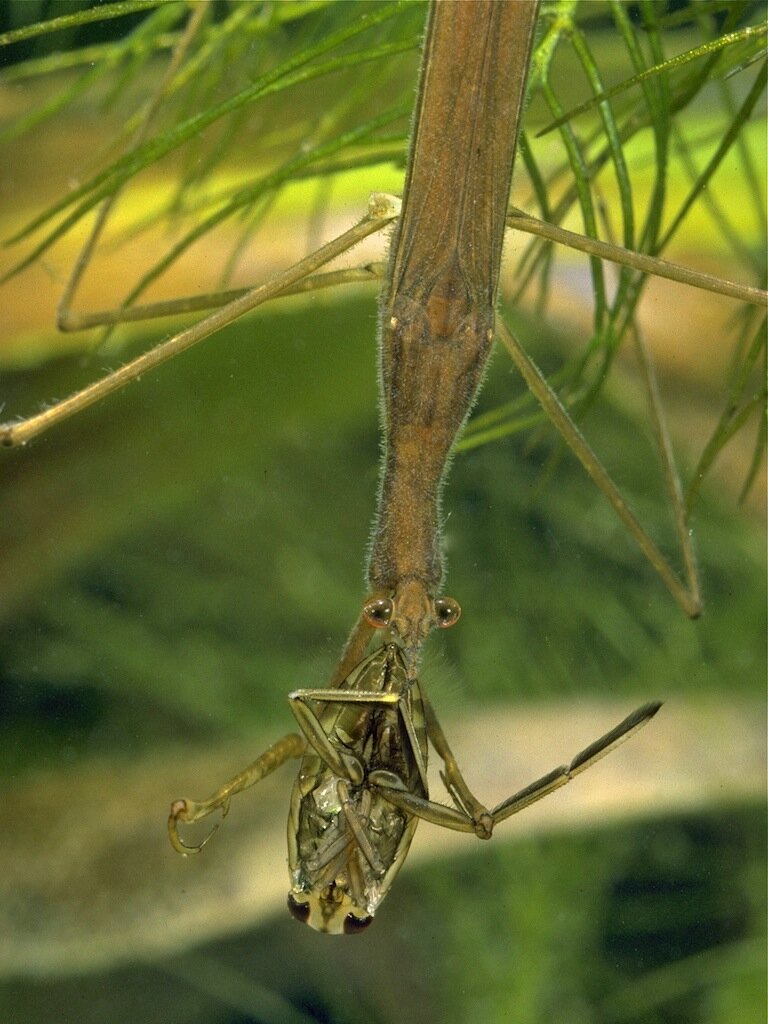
753	34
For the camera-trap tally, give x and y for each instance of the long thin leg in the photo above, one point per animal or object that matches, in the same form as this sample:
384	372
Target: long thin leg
589	756
472	816
382	209
668	464
686	597
366	273
345	765
452	778
190	811
654	265
393	789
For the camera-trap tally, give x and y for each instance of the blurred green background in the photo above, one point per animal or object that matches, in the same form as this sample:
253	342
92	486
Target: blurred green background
177	559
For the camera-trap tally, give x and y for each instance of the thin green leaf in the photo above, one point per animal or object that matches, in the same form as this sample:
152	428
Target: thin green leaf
592	72
742	117
102	12
692	14
157	23
247	196
758	455
109	181
120	171
581	184
753	33
67	60
736	413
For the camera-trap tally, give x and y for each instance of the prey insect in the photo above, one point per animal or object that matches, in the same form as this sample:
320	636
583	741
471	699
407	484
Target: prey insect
362	788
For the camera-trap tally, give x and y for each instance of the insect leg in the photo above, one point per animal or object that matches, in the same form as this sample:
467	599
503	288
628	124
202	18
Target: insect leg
481	820
345	765
382	209
453	780
686	594
589	756
356	819
393	789
190	811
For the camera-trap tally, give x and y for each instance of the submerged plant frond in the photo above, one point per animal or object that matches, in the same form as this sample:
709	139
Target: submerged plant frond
265	96
735	56
103	12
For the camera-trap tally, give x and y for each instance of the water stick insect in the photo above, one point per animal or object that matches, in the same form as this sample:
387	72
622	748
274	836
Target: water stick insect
436	318
304	276
362	784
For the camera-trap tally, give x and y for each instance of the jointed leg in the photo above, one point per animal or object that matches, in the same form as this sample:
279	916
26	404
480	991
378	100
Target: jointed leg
382	210
190	811
357	820
354	649
593	753
345	765
471	815
452	778
686	594
292	745
393	789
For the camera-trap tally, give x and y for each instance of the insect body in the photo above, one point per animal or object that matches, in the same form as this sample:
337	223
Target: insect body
437	308
346	840
362	786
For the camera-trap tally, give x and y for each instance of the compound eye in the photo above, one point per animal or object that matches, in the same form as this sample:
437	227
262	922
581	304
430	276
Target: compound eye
378	612
447	612
298	910
353	925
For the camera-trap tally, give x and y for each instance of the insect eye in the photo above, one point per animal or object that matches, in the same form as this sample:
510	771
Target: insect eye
378	612
447	612
353	925
297	910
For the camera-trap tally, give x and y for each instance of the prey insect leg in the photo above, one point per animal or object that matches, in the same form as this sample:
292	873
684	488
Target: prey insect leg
471	815
357	819
191	811
583	760
343	764
453	780
468	816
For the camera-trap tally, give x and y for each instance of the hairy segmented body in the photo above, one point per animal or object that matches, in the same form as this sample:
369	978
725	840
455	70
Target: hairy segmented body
437	311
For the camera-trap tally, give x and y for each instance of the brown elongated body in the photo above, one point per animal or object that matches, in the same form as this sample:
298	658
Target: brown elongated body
362	784
437	312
